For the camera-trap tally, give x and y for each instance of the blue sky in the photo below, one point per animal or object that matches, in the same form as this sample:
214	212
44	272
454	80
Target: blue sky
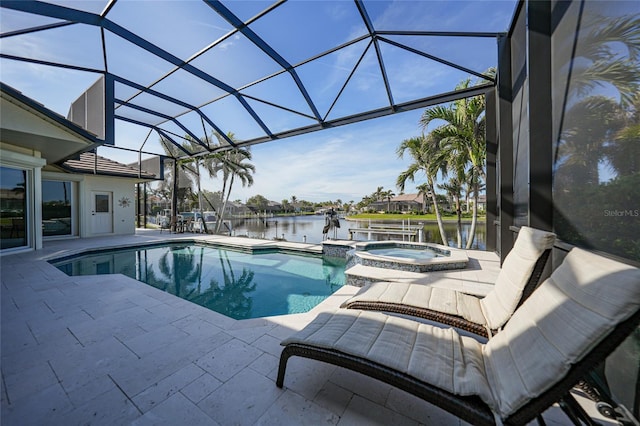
346	162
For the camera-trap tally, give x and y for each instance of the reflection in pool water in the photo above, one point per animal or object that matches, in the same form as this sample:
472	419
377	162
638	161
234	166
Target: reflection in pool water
234	283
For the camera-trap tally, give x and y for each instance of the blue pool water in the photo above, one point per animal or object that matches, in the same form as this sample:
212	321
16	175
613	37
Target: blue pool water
405	253
234	283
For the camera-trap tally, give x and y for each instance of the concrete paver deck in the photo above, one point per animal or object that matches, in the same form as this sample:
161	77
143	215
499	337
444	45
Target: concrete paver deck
111	350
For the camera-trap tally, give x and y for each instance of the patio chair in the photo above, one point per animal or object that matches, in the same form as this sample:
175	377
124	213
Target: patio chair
570	323
518	277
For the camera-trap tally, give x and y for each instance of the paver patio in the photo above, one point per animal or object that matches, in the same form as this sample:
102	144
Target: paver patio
111	350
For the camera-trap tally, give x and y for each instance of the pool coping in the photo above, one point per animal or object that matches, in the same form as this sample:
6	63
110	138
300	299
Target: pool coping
238	243
454	259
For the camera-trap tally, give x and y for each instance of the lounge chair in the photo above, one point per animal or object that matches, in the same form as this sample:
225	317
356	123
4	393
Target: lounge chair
570	323
518	277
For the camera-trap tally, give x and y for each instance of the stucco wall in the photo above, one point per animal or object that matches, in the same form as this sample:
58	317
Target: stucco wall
121	189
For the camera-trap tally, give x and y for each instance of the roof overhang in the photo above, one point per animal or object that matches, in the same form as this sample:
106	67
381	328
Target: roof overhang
28	124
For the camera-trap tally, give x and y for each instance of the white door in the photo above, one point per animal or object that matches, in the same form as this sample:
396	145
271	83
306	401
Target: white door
102	212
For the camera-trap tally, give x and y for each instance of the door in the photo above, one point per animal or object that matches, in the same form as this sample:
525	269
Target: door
101	212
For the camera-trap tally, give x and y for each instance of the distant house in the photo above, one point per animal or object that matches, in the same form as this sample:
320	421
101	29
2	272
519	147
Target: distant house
400	203
236	209
482	203
50	186
408	203
273	207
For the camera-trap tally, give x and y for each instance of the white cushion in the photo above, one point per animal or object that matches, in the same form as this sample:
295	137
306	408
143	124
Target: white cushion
434	355
422	296
499	304
563	320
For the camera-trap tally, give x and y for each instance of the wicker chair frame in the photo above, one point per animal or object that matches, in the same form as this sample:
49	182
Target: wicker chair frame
468	408
448	319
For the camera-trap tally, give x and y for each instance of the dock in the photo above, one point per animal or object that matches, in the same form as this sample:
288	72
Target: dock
409	231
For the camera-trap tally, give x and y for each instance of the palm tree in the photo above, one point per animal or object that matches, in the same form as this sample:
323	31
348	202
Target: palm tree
462	145
624	154
232	164
388	195
453	189
285	205
608	54
173	183
423	190
193	167
587	125
378	193
423	150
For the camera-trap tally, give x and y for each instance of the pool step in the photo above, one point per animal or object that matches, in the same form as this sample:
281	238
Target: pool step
360	275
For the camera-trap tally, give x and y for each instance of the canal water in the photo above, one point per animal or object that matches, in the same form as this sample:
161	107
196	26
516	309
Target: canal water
309	229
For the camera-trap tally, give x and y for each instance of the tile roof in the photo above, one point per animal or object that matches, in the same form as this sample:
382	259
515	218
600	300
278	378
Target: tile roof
407	197
87	164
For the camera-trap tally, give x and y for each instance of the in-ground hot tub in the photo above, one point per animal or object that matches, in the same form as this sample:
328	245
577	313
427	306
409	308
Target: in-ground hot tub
406	256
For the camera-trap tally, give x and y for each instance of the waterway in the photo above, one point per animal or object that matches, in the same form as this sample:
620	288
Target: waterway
309	229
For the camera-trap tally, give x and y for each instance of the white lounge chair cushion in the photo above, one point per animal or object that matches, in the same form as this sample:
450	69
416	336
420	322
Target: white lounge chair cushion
499	304
494	310
421	296
434	355
562	321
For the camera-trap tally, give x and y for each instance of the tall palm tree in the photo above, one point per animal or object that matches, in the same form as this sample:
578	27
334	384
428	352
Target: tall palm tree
423	150
172	181
194	166
388	195
423	190
453	189
462	145
233	164
378	193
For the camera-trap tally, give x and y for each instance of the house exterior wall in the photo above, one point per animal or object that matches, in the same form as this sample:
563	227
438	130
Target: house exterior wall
122	203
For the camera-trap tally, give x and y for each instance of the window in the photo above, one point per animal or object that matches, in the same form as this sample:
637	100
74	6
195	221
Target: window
57	215
13	208
102	203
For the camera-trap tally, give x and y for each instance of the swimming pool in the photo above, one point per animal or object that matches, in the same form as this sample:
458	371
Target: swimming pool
235	283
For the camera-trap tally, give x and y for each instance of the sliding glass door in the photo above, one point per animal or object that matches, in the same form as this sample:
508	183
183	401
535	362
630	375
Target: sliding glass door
13	208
